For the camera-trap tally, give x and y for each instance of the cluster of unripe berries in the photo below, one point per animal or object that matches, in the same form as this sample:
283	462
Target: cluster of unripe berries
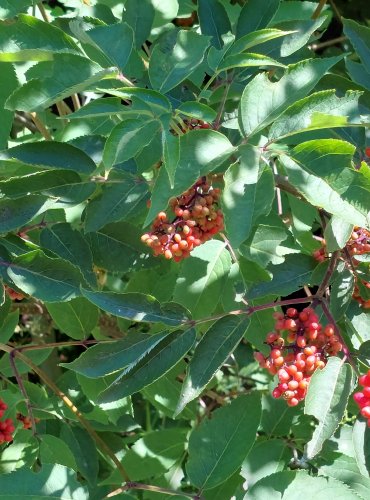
6	426
196	219
358	244
299	345
362	398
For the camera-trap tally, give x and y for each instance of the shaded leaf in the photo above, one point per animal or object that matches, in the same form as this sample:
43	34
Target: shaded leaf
77	318
253	18
116	201
106	358
213	21
326	400
214	348
232	432
48	483
137	307
166	354
51	280
48	155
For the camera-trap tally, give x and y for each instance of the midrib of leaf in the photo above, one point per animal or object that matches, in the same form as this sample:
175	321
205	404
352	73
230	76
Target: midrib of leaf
236	431
210	274
220	346
219	39
326	410
76	316
132	134
12	266
126	195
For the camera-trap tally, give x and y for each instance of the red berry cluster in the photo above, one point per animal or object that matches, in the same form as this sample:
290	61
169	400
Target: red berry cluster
299	346
6	426
197	219
362	398
358	244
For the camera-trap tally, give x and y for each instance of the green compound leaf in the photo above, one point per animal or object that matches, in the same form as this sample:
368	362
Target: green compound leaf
103	359
288	277
345	469
77	318
293	485
252	17
216	345
137	307
248	194
218	447
263	101
145	370
255	38
48	155
305	114
127	139
113	41
213	21
343	192
202	278
51	280
70	245
117	247
47	483
140	16
119	199
175	57
359	37
67	74
326	400
16	213
9	82
29	39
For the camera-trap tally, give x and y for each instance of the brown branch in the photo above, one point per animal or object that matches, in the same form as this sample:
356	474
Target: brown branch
133	485
318	9
85	423
41	127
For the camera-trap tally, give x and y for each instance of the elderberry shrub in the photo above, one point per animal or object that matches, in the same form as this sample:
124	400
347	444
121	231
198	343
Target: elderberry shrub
299	346
196	219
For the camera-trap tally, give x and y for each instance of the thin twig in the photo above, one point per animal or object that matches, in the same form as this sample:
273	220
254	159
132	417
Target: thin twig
221	108
230	248
328	43
23	391
133	485
85	423
76	102
318	9
41	127
329	272
43	12
345	349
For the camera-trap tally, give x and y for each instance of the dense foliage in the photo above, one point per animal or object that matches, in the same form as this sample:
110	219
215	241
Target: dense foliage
184	250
